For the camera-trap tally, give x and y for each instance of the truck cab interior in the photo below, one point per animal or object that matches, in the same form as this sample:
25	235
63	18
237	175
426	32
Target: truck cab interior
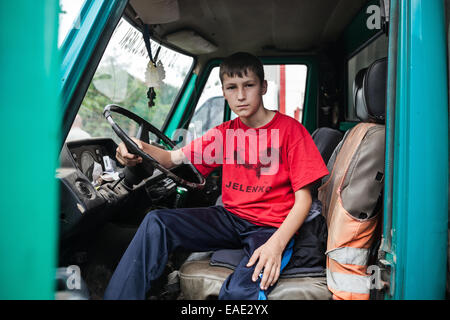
325	65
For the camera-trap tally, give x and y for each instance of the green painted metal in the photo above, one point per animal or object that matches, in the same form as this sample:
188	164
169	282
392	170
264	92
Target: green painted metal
196	93
177	116
29	125
386	245
310	108
356	34
420	184
344	126
192	94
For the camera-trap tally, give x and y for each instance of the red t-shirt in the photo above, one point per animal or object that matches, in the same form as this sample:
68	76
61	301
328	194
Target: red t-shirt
261	168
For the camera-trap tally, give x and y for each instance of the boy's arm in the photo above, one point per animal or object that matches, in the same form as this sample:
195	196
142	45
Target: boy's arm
269	254
166	158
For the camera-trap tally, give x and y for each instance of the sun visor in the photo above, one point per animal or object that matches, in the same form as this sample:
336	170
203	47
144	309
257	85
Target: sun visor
156	11
190	41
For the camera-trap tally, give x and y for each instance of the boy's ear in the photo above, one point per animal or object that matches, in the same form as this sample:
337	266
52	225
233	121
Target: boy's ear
264	87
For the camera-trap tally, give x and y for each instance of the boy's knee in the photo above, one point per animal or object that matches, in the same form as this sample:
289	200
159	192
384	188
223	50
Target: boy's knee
240	286
154	214
156	217
153	224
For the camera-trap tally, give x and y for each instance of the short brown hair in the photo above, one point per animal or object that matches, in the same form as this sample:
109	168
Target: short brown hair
239	63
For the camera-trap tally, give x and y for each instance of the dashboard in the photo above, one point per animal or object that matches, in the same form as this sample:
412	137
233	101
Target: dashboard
93	160
92	184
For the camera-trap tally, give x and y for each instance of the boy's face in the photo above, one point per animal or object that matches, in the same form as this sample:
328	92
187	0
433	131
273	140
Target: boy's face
244	95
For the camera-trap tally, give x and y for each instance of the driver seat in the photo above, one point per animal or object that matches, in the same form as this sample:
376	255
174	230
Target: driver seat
201	277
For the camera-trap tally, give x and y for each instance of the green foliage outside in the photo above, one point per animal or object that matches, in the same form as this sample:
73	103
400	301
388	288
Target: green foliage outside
135	100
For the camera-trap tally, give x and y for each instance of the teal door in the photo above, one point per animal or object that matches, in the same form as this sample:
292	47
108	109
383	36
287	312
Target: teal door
416	198
38	85
29	127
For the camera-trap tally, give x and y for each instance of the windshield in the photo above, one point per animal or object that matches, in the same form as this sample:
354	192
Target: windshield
121	79
69	17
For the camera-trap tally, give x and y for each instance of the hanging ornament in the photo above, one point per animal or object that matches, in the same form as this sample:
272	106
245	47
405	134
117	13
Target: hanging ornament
152	76
154	73
151	81
161	72
151	95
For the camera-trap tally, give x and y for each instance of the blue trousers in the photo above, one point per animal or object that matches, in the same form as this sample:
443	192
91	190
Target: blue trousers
194	229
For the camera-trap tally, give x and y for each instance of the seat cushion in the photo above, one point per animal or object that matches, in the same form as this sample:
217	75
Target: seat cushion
199	280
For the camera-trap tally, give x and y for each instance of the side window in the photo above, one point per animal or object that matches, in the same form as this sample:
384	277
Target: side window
285	93
210	107
286	85
376	50
120	79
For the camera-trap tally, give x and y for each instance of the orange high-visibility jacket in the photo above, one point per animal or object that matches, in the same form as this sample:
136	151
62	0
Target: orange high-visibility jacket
349	238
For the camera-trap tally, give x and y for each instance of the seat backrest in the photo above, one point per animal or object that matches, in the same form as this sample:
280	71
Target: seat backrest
351	193
326	140
364	173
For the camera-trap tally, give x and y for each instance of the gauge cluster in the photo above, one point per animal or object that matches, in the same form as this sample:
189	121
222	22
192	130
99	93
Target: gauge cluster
93	160
92	186
83	163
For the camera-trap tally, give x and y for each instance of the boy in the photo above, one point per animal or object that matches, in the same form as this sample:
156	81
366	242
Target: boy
265	192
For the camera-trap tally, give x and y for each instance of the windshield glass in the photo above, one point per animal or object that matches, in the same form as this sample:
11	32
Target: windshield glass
121	79
69	17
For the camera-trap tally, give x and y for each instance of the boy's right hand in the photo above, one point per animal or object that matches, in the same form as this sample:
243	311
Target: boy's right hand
126	158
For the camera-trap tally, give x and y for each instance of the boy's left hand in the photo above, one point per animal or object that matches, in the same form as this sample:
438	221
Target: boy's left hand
269	258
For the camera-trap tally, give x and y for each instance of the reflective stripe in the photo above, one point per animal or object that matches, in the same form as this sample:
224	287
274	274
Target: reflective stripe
349	255
348	282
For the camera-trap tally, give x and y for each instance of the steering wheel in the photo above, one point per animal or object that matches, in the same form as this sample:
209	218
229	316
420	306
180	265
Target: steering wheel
143	134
